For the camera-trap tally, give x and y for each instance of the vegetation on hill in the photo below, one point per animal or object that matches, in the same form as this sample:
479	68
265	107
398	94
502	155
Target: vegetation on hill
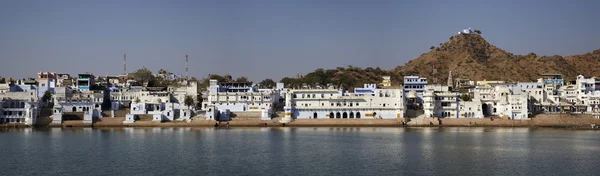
341	76
467	56
471	57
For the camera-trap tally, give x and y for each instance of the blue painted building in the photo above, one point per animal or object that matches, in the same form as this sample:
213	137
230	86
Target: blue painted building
416	84
553	79
85	81
368	89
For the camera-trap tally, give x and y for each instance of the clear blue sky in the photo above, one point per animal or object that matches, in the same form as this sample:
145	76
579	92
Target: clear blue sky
273	38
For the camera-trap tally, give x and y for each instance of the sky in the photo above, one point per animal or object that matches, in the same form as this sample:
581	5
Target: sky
262	39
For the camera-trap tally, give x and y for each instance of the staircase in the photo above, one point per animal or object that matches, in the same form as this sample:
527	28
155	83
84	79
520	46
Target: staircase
419	120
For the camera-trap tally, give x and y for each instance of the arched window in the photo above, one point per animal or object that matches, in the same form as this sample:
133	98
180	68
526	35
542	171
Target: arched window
22	104
331	115
351	115
338	115
315	115
345	115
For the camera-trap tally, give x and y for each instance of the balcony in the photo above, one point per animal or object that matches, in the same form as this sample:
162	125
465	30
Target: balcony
449	107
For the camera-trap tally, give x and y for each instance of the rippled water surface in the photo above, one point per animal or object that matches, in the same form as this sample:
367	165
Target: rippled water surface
299	151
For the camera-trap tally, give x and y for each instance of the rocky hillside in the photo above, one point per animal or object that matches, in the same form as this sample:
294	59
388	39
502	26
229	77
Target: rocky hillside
471	57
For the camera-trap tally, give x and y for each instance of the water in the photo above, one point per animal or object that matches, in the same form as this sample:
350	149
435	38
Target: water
299	151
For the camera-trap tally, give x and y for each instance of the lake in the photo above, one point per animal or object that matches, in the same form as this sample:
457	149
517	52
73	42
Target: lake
299	151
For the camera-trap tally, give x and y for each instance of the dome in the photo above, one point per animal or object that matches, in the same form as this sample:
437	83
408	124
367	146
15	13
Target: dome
412	94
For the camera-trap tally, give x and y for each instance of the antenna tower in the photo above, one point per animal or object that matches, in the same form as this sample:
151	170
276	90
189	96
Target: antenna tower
124	63
186	67
434	71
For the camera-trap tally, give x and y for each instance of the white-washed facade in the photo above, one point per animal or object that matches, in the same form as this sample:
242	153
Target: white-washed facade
333	103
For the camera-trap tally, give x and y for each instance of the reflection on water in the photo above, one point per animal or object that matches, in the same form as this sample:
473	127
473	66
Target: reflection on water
293	151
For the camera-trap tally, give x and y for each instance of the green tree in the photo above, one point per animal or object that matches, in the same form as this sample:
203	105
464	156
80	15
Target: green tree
188	101
143	76
268	83
47	97
243	80
432	47
465	97
477	31
228	77
287	81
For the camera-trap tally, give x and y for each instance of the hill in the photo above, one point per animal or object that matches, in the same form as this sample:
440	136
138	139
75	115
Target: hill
470	56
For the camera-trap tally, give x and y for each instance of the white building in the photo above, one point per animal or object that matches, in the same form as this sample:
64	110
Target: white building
414	86
467	31
365	103
240	98
19	106
438	101
18	111
501	100
160	104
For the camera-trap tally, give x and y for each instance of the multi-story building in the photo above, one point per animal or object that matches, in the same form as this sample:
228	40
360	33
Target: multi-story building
438	101
387	81
416	85
160	104
368	102
63	80
240	98
46	82
85	81
20	106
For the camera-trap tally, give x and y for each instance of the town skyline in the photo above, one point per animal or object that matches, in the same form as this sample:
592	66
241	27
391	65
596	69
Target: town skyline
287	38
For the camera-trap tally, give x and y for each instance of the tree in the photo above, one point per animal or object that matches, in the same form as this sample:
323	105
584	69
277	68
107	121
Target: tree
143	76
432	47
243	80
268	83
287	81
188	101
228	77
465	97
477	31
47	97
